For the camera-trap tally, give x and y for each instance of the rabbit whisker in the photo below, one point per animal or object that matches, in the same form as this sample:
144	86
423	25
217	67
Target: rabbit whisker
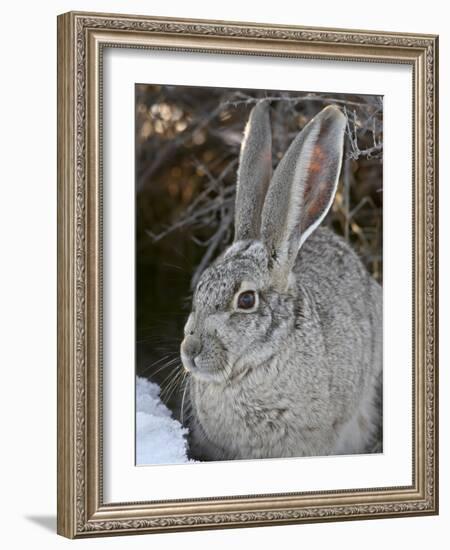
185	381
173	372
168	364
171	386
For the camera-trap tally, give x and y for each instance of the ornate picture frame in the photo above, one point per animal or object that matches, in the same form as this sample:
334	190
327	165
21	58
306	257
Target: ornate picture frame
82	39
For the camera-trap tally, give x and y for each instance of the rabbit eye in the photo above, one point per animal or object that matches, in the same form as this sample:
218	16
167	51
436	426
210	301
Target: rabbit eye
246	300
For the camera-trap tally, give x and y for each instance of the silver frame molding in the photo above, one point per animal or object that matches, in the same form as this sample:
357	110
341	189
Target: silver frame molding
81	39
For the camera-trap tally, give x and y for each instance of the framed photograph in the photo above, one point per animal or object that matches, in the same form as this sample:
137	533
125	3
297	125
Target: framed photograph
247	288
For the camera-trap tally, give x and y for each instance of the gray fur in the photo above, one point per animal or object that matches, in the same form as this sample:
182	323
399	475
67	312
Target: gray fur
300	374
255	170
311	164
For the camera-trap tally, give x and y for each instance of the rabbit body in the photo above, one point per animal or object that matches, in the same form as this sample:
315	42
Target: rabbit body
317	394
299	372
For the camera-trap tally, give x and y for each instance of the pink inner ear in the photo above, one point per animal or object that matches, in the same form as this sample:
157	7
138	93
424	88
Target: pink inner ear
318	156
317	187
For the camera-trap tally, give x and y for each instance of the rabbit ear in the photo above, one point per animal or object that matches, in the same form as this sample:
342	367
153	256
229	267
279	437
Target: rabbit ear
255	171
303	187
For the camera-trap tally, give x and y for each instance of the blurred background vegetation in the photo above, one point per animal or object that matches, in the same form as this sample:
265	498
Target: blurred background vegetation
187	148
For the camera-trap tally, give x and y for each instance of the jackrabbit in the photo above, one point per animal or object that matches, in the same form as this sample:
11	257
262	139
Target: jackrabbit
284	341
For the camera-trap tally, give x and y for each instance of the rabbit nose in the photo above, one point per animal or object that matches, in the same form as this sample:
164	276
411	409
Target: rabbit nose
191	347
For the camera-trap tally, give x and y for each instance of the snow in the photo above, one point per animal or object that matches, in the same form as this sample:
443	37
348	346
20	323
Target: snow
160	439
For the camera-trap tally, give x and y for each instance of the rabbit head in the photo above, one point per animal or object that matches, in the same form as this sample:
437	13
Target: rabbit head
241	300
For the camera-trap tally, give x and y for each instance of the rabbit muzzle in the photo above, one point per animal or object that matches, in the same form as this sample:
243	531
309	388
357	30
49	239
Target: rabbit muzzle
191	348
203	355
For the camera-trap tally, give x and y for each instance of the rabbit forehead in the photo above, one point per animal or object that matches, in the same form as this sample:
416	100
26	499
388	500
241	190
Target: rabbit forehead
237	266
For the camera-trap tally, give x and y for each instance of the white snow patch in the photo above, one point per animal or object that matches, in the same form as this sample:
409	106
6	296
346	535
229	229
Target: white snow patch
160	439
